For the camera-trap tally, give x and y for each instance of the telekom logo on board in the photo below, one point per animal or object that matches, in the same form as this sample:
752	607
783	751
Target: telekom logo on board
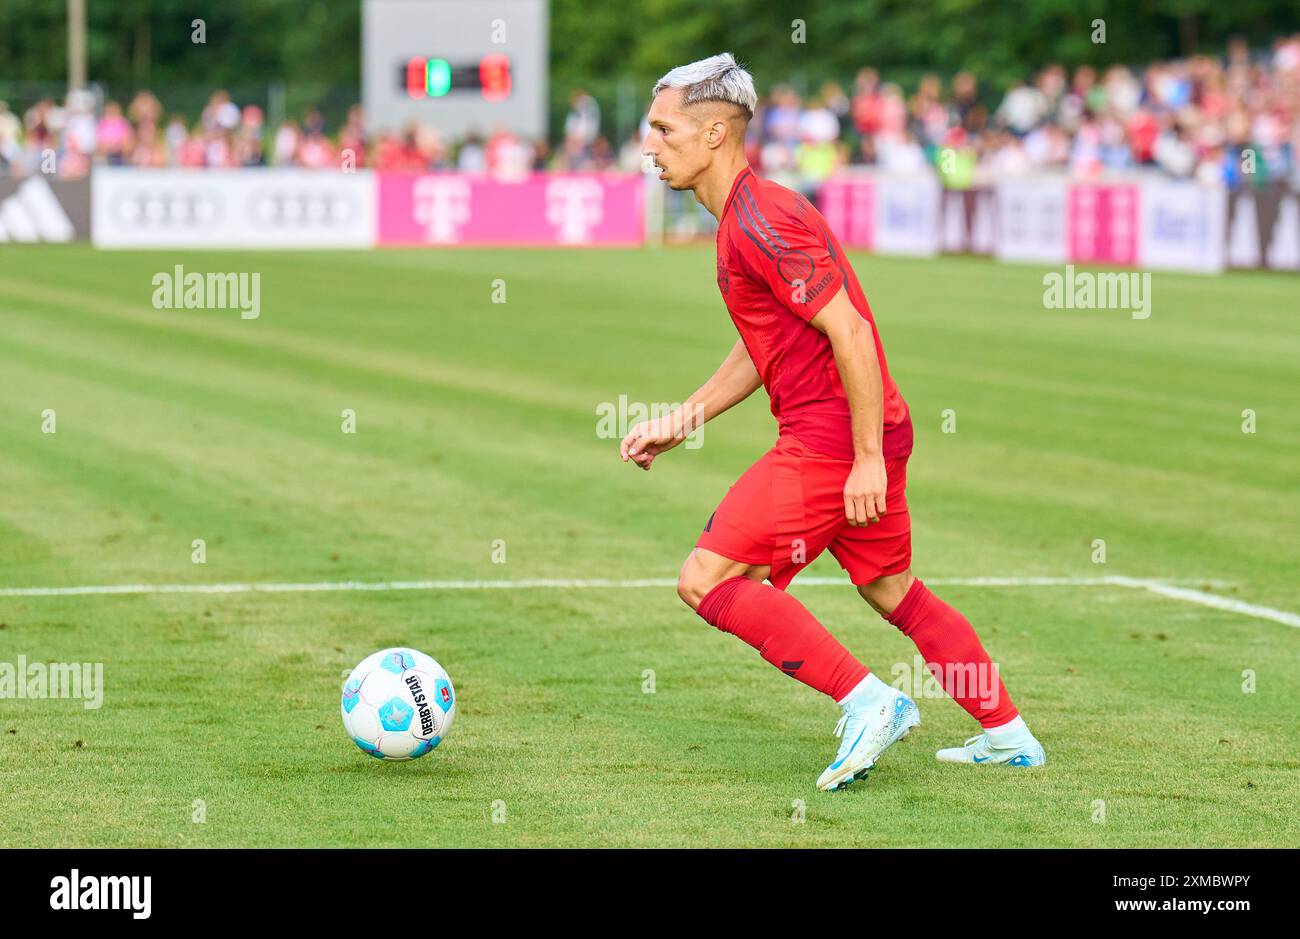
441	205
574	206
540	209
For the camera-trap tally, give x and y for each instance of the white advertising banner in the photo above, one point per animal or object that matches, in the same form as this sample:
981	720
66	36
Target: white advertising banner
238	208
1182	227
907	215
1031	220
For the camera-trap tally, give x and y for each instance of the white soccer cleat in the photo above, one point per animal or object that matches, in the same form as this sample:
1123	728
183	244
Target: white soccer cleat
1016	749
870	725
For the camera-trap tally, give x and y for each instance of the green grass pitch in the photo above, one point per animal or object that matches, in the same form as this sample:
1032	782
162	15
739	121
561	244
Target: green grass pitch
476	426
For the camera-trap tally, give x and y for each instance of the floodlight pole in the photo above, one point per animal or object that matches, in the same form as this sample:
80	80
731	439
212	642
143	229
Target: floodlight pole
76	45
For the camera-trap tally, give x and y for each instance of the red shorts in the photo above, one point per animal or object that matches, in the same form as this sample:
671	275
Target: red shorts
789	507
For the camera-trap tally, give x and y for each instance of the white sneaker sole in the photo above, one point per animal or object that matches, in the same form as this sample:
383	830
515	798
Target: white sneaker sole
1011	761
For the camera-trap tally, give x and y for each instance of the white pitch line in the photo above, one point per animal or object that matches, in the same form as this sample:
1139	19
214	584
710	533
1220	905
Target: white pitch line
1164	588
534	584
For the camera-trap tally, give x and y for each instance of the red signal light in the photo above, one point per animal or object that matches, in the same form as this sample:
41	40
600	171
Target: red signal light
415	76
494	76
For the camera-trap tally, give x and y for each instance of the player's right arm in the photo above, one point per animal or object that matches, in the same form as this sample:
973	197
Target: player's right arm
734	381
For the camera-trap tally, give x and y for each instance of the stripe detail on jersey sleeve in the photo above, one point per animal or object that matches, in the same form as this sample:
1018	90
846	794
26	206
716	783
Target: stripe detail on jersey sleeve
751	230
748	200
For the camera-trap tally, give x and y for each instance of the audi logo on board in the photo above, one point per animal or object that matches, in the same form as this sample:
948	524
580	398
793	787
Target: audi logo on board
294	207
277	207
166	208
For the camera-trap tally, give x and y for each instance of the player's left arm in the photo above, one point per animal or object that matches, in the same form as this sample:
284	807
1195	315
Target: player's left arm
854	346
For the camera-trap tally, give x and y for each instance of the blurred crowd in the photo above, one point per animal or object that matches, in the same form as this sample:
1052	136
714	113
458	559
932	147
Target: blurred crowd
1206	118
76	134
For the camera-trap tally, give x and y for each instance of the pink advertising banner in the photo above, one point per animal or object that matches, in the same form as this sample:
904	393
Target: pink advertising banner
849	206
1102	224
889	213
542	209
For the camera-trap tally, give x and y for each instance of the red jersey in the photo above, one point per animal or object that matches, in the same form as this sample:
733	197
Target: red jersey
778	265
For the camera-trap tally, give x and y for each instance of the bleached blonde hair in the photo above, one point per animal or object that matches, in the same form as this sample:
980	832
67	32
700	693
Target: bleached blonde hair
717	78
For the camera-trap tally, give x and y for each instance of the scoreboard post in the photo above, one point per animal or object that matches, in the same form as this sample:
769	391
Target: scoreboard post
456	65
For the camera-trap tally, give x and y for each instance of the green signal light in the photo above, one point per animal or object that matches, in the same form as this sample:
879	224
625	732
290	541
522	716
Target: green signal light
437	77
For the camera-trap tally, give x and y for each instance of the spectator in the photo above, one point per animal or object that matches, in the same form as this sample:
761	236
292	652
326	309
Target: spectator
287	138
10	134
582	124
1022	109
508	157
114	135
472	157
630	159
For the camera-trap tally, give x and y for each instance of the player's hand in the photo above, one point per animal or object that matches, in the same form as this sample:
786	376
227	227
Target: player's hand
647	440
864	491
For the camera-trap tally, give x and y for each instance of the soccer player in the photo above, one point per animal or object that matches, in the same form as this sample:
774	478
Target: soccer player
836	477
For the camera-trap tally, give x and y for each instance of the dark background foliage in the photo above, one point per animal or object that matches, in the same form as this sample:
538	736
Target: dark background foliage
308	50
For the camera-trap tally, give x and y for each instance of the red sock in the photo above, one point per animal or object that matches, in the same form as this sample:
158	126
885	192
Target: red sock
784	633
954	655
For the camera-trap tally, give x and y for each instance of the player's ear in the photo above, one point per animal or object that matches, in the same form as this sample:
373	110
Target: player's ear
718	131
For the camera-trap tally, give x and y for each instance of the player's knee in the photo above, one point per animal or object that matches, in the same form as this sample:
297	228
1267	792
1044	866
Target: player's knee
695	581
693	586
884	594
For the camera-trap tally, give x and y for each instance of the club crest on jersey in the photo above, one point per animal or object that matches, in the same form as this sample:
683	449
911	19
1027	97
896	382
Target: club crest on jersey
794	265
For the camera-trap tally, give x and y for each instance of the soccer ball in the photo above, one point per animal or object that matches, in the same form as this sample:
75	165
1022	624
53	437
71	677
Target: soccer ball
398	704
